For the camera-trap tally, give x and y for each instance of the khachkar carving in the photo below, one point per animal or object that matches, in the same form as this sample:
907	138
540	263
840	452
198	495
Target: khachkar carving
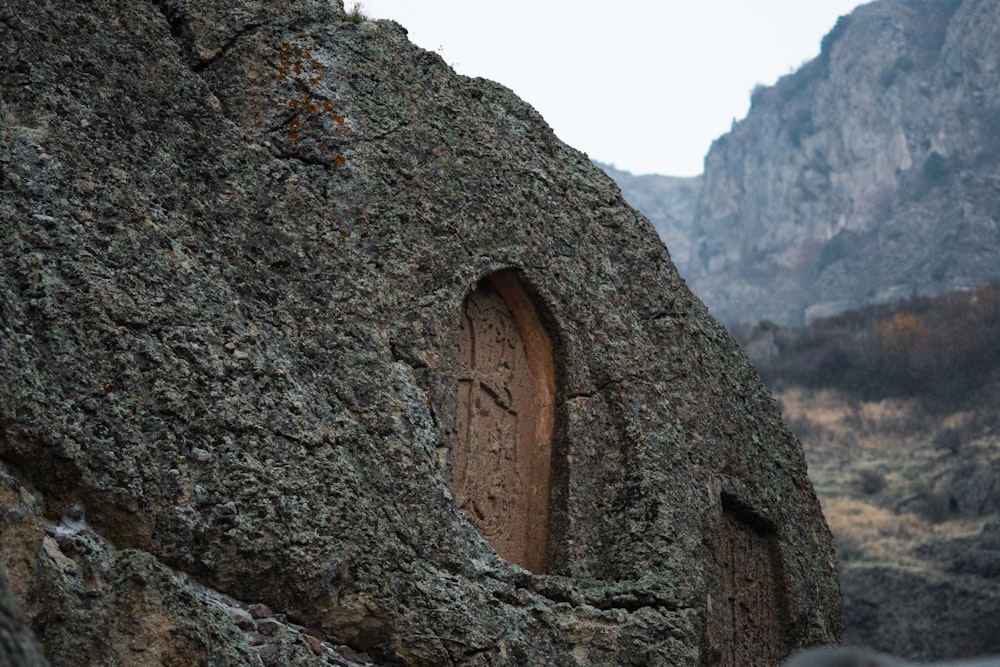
501	465
747	608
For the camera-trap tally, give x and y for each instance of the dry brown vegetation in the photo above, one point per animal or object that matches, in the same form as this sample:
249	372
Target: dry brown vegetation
942	350
896	408
891	477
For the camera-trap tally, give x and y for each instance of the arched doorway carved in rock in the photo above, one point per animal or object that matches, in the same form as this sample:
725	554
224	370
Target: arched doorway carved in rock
748	602
502	461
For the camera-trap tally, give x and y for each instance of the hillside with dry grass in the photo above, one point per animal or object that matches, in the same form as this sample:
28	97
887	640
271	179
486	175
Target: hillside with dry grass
897	410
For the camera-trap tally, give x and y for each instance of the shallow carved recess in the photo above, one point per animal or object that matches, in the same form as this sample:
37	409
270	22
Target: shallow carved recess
502	461
747	609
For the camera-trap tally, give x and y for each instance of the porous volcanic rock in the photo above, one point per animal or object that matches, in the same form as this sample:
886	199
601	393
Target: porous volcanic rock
236	238
669	202
18	645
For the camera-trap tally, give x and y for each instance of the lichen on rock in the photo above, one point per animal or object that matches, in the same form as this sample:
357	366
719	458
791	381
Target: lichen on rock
240	359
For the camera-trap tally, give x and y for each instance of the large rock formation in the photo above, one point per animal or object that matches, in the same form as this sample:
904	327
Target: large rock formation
285	306
869	174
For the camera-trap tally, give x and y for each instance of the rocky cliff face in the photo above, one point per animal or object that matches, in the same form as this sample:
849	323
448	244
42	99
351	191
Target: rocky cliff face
283	302
869	174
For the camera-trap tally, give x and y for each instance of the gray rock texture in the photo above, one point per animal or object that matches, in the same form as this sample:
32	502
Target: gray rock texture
18	645
235	242
869	174
669	202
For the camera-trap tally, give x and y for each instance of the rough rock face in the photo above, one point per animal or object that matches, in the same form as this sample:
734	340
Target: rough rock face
238	241
18	645
869	174
669	202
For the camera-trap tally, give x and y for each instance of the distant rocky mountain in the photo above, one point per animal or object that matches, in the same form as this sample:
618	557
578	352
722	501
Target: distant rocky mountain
871	173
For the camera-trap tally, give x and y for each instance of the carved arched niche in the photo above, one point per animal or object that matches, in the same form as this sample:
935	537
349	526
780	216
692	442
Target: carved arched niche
502	457
748	602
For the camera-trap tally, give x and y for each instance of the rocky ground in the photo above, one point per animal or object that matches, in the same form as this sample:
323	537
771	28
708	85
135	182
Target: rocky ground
912	497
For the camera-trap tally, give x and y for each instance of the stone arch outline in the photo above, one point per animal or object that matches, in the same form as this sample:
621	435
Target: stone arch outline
747	610
503	467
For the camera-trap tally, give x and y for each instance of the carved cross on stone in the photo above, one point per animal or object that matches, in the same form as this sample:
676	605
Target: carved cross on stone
501	465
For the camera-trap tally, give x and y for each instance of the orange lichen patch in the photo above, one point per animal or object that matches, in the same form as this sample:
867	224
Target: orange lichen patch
301	76
315	645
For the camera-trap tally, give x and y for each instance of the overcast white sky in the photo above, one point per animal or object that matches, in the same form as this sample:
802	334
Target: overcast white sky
643	84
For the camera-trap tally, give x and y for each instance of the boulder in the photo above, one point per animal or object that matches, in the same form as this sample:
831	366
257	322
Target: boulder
291	315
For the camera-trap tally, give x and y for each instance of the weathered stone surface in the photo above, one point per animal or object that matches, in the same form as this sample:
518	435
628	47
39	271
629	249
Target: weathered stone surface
748	609
237	238
670	203
18	644
92	604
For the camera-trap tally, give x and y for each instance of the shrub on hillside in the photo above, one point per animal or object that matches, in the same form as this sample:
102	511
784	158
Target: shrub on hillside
942	349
